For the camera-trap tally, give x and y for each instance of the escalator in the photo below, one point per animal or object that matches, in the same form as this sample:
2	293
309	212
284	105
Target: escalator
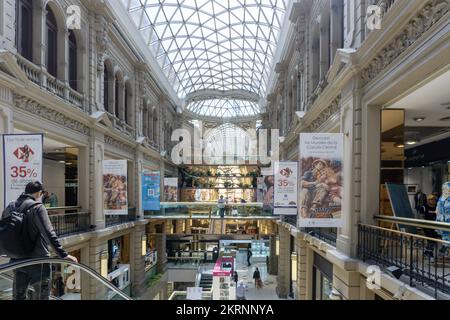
56	279
206	281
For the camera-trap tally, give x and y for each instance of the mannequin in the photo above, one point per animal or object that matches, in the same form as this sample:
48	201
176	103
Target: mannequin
443	213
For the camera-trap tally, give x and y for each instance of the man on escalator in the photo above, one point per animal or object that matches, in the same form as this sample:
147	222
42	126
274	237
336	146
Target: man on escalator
38	235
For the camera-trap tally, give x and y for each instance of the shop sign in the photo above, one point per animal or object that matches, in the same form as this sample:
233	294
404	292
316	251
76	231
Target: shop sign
285	188
151	191
170	189
115	195
321	183
22	154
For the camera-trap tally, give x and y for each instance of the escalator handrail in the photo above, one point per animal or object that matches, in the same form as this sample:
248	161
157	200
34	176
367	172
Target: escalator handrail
31	262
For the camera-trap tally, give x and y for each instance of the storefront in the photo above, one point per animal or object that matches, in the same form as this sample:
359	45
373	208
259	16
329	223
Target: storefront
415	146
322	278
66	280
119	263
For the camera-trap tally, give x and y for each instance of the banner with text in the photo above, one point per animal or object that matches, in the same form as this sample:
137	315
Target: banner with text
170	189
22	163
321	187
285	192
115	195
151	191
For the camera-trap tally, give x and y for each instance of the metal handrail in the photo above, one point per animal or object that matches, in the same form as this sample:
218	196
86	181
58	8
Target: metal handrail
63	208
67	214
445	226
418	236
20	264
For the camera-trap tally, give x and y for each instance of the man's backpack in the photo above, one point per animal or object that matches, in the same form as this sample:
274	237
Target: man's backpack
14	239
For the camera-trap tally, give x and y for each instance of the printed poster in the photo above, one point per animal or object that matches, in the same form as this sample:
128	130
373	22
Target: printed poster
151	191
115	197
321	186
285	192
22	154
170	189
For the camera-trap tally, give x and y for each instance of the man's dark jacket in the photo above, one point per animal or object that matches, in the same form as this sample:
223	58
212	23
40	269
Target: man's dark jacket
38	230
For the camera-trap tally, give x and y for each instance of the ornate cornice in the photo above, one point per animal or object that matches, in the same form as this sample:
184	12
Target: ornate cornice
44	112
430	14
118	144
331	110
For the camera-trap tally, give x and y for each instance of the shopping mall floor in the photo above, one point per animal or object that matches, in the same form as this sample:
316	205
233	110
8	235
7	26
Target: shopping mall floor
245	273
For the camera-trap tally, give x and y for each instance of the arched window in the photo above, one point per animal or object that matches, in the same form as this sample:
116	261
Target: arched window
116	100
52	42
106	77
73	61
155	126
24	28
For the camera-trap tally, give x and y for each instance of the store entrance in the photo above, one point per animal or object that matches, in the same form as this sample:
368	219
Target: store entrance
415	146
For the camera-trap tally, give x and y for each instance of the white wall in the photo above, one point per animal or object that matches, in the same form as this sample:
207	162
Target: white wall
54	179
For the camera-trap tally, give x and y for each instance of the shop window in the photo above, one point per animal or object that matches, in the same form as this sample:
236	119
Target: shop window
24	28
52	42
322	278
392	154
73	63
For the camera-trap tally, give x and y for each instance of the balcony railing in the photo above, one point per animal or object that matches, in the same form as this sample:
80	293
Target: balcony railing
120	219
68	223
121	125
422	261
210	210
45	80
329	235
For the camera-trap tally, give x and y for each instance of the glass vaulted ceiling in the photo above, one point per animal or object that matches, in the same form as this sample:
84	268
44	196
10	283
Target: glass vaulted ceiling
221	45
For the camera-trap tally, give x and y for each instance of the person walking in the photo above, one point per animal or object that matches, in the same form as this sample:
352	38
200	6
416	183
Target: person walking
240	291
249	255
235	277
221	205
37	236
257	278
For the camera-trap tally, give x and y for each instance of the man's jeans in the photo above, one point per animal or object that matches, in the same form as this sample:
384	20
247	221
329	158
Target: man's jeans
38	277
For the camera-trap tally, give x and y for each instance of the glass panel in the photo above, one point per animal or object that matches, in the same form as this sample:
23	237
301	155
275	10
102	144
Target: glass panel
58	281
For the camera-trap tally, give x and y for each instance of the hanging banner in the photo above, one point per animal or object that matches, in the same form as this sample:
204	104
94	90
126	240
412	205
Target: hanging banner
115	196
151	191
285	192
170	189
321	159
22	163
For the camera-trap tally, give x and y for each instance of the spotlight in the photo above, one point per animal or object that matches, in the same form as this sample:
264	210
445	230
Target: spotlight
300	114
399	145
395	271
419	119
411	142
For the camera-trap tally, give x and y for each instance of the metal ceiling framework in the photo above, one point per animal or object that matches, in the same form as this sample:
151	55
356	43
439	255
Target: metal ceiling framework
218	51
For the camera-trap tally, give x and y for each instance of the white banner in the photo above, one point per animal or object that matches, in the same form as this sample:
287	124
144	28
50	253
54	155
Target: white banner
170	189
22	154
115	197
285	193
321	187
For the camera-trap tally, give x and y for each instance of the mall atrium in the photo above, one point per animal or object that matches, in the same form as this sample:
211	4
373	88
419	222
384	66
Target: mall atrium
184	144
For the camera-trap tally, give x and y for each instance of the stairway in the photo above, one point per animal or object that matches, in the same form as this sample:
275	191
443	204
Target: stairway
206	281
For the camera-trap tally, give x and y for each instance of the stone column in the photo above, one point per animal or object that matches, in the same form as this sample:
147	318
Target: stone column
137	260
96	248
284	261
161	263
324	46
347	283
6	126
96	156
301	249
273	262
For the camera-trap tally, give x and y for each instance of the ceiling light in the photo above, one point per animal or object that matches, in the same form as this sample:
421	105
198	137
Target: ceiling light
399	145
419	119
411	142
445	119
62	161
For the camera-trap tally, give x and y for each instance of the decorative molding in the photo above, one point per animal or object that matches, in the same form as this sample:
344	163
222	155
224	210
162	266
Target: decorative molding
430	14
44	112
118	144
6	95
331	110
